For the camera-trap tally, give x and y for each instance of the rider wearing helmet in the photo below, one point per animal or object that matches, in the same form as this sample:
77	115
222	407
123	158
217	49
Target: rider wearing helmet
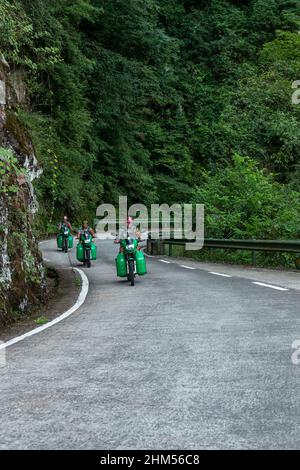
130	231
86	228
65	223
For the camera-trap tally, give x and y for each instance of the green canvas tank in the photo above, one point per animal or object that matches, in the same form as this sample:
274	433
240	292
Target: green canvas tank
94	252
80	252
121	265
59	240
141	267
71	241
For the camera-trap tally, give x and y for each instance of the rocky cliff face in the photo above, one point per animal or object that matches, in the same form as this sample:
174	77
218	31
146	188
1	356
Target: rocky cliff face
22	275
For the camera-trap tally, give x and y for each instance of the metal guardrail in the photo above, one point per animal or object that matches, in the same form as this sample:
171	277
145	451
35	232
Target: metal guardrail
156	246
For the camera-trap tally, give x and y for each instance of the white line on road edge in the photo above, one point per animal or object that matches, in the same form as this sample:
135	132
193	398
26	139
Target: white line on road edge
164	261
76	306
219	274
270	285
186	267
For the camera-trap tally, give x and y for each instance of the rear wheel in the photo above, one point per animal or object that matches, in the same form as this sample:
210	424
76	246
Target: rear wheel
131	271
88	258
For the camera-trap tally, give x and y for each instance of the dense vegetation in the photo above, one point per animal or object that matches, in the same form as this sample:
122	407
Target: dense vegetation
153	98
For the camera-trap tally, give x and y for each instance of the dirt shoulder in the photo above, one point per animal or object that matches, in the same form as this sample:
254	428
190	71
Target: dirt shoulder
64	288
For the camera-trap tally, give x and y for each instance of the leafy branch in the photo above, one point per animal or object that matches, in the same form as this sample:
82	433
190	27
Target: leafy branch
9	172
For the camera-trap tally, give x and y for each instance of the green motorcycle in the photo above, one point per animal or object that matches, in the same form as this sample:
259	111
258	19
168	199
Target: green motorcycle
64	239
130	261
86	249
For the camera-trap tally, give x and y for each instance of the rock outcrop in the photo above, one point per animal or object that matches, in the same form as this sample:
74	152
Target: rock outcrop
22	275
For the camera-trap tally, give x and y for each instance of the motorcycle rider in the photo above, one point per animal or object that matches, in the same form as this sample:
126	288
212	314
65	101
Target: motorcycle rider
65	223
131	232
85	228
65	229
85	235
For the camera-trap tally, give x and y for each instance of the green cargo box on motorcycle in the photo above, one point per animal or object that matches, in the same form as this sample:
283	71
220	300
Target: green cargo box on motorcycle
65	239
86	249
130	261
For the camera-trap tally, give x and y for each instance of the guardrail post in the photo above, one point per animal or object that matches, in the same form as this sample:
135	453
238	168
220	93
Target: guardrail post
170	249
150	246
254	257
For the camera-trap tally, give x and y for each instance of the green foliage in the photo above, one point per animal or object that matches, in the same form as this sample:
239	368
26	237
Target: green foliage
19	39
41	320
259	119
9	171
144	97
243	201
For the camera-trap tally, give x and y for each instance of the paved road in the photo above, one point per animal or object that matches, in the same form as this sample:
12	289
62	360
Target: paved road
184	360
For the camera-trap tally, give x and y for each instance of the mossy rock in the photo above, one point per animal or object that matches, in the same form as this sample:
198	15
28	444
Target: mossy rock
15	128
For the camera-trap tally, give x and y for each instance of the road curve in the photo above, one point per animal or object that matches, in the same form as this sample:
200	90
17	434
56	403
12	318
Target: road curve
183	360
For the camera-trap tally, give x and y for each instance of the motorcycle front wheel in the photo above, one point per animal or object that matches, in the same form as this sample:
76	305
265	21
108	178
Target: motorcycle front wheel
88	258
131	271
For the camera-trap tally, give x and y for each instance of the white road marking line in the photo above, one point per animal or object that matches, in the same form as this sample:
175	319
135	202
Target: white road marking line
219	274
186	267
76	306
164	261
270	285
47	260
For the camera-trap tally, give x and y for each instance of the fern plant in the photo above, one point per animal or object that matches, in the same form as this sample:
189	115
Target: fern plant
10	170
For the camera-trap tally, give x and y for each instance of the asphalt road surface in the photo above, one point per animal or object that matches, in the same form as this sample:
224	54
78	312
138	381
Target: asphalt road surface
183	360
